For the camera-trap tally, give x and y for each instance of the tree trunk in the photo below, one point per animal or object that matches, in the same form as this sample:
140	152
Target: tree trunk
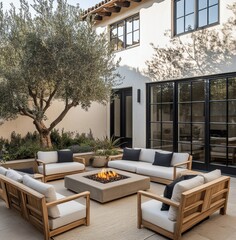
45	140
44	134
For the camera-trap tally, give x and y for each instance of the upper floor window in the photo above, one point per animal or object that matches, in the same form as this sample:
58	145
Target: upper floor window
125	33
193	14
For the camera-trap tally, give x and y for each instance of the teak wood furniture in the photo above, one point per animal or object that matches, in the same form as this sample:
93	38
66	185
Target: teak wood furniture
33	207
195	205
180	162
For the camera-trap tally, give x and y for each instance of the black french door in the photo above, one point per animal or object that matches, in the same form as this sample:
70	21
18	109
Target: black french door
121	121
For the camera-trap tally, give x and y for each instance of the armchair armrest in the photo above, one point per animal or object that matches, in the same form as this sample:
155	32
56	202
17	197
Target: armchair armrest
40	162
152	196
44	167
115	157
69	198
79	159
188	163
158	198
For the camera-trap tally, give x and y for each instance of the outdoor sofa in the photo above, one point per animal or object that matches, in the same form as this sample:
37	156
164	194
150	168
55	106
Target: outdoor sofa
141	161
39	203
191	202
57	164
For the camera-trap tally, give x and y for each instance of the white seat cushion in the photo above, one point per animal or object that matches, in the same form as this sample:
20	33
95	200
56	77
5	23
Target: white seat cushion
158	171
69	212
47	190
54	168
47	157
151	212
179	188
127	165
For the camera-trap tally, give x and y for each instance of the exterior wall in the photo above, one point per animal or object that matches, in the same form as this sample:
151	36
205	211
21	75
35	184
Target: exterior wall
155	20
77	120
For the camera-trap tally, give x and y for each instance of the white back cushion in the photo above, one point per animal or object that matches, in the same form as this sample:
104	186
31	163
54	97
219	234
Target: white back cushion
208	177
147	155
47	157
179	158
14	175
47	190
179	188
3	170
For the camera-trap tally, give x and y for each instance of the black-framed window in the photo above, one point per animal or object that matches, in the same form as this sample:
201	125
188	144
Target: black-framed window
190	15
125	33
202	121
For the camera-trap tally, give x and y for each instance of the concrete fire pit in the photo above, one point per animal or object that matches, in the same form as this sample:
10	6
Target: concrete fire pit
109	191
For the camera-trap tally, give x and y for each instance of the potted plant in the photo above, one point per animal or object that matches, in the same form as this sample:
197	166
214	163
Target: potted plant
104	149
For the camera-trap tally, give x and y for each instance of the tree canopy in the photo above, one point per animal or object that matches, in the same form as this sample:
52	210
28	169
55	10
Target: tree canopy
201	52
51	54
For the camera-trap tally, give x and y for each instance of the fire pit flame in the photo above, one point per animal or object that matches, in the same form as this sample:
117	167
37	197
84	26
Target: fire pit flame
107	174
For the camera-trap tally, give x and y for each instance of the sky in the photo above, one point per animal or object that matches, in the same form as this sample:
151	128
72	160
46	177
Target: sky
84	4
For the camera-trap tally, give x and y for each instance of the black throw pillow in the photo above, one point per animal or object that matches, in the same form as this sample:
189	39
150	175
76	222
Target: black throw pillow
26	170
131	154
65	156
162	159
170	187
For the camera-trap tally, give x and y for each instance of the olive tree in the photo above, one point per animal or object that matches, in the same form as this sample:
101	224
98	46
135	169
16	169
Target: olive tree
49	53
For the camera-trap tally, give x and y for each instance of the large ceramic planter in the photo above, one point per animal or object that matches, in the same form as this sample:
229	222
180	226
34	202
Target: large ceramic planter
99	161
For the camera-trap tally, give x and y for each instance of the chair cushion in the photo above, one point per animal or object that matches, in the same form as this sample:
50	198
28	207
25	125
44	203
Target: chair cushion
54	168
179	188
69	212
65	156
151	213
14	175
169	189
47	190
162	159
131	154
147	155
158	171
208	177
179	158
47	157
130	166
3	170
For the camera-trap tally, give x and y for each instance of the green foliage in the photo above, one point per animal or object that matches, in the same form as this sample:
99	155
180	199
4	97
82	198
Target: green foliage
19	147
51	55
107	146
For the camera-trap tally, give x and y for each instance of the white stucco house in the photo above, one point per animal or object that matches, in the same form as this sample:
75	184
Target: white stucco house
195	111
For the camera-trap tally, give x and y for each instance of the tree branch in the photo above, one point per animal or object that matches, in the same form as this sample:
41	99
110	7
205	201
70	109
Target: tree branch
24	112
61	116
50	99
34	96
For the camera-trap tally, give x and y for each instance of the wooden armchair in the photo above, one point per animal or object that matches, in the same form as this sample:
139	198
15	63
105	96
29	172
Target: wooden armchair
194	206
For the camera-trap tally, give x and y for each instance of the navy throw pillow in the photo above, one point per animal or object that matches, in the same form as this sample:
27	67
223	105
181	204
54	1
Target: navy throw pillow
131	154
65	156
170	187
162	159
26	170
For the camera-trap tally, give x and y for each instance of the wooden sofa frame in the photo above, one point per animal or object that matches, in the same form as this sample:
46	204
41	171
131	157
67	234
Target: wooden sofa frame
195	205
59	175
33	206
158	179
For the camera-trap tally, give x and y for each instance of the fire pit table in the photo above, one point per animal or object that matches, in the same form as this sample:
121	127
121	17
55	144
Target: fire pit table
109	188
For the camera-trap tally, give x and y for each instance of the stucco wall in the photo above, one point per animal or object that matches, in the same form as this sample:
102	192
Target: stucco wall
77	120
